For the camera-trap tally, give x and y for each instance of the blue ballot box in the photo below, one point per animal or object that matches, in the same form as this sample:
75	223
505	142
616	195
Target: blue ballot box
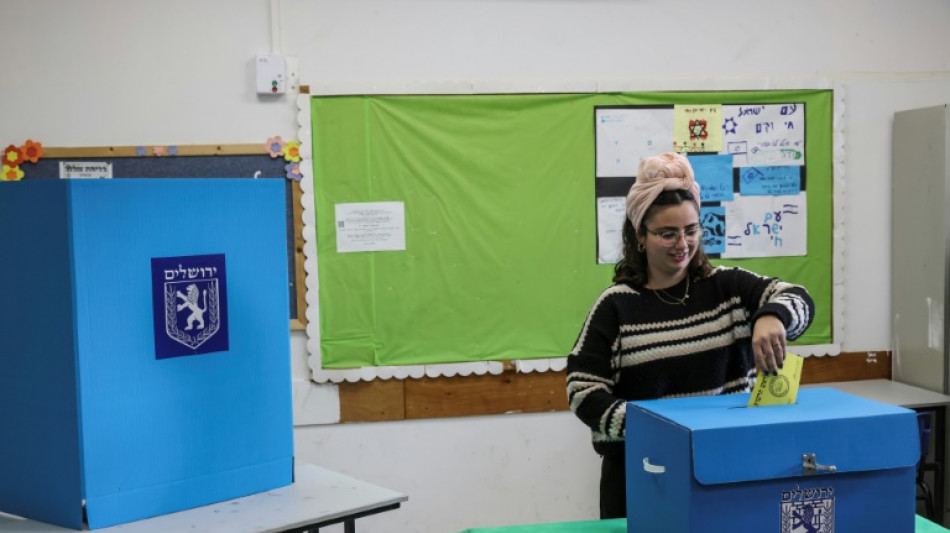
830	462
144	346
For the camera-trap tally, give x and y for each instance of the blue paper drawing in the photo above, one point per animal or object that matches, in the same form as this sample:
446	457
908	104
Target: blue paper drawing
770	181
714	175
713	220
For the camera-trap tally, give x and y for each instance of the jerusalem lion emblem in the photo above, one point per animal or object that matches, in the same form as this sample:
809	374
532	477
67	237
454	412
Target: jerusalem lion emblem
809	510
190	305
192	314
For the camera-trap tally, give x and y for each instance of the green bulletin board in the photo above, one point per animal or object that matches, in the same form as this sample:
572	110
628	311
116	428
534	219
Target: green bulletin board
500	222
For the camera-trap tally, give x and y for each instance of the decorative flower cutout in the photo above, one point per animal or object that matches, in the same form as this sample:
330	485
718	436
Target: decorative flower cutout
158	150
172	150
12	156
11	173
275	146
140	151
31	151
292	151
293	171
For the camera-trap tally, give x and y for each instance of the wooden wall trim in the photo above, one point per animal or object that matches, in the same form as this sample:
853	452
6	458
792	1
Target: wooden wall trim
133	151
848	366
513	392
300	275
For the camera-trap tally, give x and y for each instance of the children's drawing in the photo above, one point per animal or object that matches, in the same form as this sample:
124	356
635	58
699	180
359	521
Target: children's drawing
764	134
714	176
766	226
713	220
626	135
749	161
767	181
697	128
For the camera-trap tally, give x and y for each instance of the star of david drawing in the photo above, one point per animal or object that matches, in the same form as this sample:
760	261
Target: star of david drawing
697	129
729	126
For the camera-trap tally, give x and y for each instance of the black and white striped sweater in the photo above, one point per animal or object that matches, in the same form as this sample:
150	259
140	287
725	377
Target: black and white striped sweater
633	346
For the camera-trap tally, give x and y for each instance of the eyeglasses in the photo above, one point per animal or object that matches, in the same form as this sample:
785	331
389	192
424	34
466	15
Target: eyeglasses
669	238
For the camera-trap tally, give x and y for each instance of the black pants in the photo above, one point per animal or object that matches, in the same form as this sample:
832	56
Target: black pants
613	487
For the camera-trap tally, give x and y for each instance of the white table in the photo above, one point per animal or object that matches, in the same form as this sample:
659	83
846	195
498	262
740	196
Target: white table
889	392
317	498
919	399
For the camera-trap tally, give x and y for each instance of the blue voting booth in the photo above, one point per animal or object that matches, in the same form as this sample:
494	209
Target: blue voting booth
830	462
145	358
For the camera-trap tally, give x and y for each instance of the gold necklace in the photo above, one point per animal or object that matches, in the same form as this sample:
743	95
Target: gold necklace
675	301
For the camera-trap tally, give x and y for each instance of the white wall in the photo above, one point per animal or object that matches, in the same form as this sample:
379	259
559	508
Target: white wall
107	72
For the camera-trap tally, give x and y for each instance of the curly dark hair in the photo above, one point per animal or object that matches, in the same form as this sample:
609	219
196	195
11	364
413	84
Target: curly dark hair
632	267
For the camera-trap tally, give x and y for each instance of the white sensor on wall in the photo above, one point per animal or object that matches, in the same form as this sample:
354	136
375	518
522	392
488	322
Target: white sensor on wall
271	74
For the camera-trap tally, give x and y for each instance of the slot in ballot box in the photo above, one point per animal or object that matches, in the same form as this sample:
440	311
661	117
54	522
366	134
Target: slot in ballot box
144	346
830	462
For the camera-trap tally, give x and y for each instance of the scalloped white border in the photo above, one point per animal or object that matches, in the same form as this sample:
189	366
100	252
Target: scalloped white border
321	375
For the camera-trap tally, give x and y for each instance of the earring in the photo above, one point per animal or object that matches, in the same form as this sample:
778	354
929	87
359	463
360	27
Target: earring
640	247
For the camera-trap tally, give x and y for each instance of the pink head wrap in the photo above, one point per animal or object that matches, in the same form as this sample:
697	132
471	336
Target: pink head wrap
665	172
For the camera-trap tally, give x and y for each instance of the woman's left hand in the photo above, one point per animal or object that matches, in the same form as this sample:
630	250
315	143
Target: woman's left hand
768	343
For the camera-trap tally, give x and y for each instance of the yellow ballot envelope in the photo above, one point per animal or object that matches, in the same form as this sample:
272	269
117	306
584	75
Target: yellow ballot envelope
779	389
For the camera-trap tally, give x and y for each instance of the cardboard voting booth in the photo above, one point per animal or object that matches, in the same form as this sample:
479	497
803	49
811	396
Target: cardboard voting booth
145	359
831	462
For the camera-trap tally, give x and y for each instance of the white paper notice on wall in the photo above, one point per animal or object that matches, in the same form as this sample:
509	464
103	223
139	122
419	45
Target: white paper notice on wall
370	227
611	213
84	169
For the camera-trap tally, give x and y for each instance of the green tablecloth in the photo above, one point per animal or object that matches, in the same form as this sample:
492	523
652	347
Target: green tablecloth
620	526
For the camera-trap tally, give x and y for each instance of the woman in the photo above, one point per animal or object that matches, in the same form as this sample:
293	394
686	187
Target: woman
671	324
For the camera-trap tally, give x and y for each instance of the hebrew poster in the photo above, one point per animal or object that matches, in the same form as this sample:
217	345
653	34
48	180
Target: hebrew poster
749	161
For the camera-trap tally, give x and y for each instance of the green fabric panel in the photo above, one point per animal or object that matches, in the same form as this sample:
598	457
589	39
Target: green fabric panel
347	320
500	222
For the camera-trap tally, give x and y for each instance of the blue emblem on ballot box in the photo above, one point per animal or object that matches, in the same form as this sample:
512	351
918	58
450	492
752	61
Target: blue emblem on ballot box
189	299
808	510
